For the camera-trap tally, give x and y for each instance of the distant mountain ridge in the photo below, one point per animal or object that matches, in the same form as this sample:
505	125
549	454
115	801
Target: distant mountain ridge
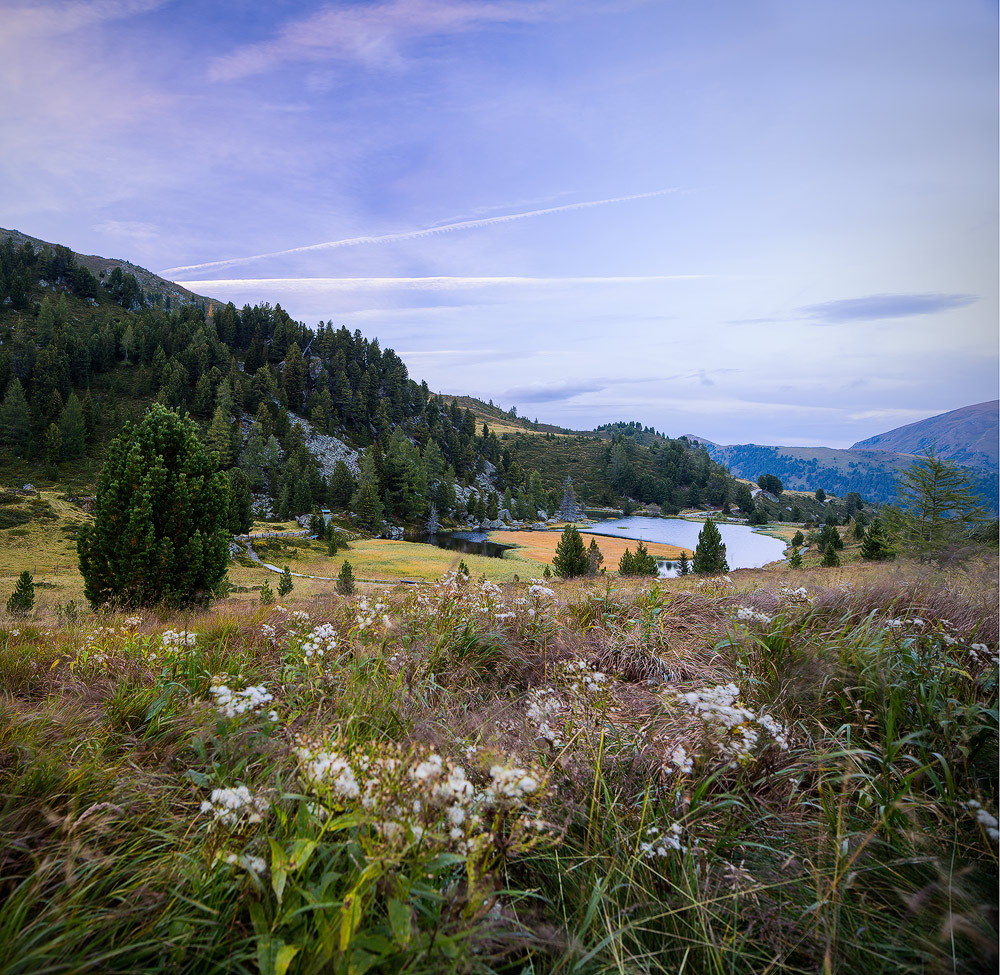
969	436
152	284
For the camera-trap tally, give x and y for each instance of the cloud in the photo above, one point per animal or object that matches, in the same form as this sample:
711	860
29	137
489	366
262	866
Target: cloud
550	392
413	234
884	306
46	19
374	36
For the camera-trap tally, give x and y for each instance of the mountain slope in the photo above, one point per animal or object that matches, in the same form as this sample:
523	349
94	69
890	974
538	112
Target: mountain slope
158	290
871	473
969	436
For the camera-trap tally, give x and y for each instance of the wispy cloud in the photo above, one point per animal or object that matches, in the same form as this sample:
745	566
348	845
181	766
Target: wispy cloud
446	228
884	306
439	283
550	392
64	18
372	35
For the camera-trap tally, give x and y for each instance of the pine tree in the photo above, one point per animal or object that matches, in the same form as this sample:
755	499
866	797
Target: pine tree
875	545
685	567
595	556
626	562
345	580
795	562
159	531
332	542
240	514
285	584
72	429
220	438
22	599
15	420
266	593
571	558
53	445
710	553
830	557
643	563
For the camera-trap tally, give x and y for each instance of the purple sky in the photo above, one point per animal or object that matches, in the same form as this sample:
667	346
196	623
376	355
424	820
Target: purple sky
754	221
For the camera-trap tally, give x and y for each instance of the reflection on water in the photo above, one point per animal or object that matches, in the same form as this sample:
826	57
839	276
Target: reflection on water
745	549
469	543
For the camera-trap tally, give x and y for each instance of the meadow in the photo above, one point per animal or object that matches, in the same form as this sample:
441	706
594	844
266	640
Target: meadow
772	771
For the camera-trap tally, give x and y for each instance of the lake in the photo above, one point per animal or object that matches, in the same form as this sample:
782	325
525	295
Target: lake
745	548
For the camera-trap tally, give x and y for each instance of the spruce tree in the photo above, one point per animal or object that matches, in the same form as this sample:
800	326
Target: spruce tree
795	562
685	567
644	564
266	594
571	558
22	599
710	553
830	558
73	429
239	518
15	420
345	580
595	556
875	545
285	584
626	563
160	518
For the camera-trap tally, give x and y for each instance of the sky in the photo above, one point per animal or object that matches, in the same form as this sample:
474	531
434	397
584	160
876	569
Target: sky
769	222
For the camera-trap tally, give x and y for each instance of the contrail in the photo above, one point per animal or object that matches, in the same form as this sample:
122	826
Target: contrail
415	234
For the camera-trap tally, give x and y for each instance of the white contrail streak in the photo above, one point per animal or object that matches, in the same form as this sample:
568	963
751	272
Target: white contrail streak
435	283
415	234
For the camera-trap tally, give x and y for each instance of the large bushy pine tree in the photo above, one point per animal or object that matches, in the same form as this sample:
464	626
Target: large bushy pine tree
710	553
160	518
571	558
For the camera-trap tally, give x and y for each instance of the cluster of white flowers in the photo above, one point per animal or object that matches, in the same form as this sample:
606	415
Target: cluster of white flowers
131	622
720	706
252	864
580	676
538	591
319	641
233	806
985	819
660	843
250	700
174	638
510	785
269	632
900	622
680	760
980	653
371	614
416	798
298	618
544	706
799	595
716	586
747	615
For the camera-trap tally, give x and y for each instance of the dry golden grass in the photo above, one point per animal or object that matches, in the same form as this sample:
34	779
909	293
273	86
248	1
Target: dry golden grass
541	546
45	546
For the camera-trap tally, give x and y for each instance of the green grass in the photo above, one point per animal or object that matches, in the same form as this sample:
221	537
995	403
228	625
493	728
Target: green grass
856	848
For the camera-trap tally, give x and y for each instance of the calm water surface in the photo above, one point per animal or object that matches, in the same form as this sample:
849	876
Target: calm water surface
745	549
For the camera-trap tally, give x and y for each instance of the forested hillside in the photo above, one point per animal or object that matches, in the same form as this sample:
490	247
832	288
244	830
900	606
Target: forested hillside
82	353
870	473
